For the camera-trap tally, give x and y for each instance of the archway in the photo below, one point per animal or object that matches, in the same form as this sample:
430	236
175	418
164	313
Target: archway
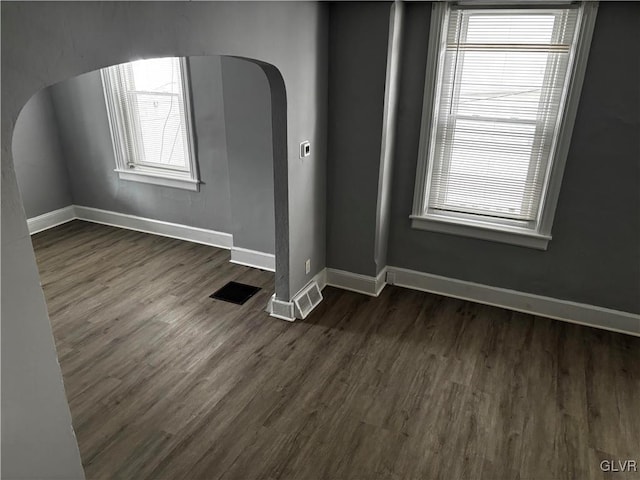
67	166
46	43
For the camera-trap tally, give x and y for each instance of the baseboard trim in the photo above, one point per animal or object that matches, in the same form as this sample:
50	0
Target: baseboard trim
156	227
51	219
356	282
253	258
321	278
281	310
240	256
579	313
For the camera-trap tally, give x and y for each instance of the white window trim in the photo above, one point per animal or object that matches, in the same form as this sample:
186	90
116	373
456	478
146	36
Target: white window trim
476	228
148	174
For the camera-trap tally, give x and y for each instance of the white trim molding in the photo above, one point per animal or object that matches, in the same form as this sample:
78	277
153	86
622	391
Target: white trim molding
580	313
356	282
240	256
149	177
156	227
51	219
493	232
321	279
253	258
281	310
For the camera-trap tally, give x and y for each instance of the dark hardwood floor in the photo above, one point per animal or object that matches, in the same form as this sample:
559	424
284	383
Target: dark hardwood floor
166	383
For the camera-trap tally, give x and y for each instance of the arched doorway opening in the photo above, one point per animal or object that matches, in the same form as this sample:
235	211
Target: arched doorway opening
46	43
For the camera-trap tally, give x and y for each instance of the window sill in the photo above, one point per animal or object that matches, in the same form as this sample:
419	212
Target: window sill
482	231
154	179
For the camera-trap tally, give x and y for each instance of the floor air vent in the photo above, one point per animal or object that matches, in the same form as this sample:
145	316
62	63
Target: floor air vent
307	299
235	292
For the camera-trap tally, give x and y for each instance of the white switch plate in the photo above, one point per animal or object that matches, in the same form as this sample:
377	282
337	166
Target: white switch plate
305	149
307	266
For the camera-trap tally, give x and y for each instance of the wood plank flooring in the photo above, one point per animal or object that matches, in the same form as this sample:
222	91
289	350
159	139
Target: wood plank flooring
166	383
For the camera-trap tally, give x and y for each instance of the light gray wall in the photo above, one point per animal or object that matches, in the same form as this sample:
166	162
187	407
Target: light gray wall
84	130
234	148
358	40
247	112
37	436
40	167
594	256
46	42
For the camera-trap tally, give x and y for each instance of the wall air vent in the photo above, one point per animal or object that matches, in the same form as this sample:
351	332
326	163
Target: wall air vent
307	299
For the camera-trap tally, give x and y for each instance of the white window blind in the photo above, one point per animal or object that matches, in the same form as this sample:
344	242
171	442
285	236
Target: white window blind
150	118
502	81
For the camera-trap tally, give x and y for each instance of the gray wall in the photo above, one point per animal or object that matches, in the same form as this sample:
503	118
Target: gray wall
46	42
298	88
40	167
233	136
594	256
86	142
37	437
247	112
358	48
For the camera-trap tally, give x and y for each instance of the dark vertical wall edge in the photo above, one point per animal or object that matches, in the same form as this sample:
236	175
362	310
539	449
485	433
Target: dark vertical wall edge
358	39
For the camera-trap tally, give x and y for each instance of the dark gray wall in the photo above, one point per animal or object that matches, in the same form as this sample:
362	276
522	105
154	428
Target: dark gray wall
358	38
594	256
86	142
247	112
40	167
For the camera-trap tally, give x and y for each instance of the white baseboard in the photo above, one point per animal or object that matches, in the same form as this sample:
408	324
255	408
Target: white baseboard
241	256
321	278
356	282
583	314
253	258
580	313
51	219
281	309
156	227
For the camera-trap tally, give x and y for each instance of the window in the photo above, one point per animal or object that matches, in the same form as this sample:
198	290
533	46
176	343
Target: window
148	106
501	92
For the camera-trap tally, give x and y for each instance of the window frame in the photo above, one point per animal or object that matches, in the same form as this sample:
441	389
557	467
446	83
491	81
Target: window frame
487	228
145	172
